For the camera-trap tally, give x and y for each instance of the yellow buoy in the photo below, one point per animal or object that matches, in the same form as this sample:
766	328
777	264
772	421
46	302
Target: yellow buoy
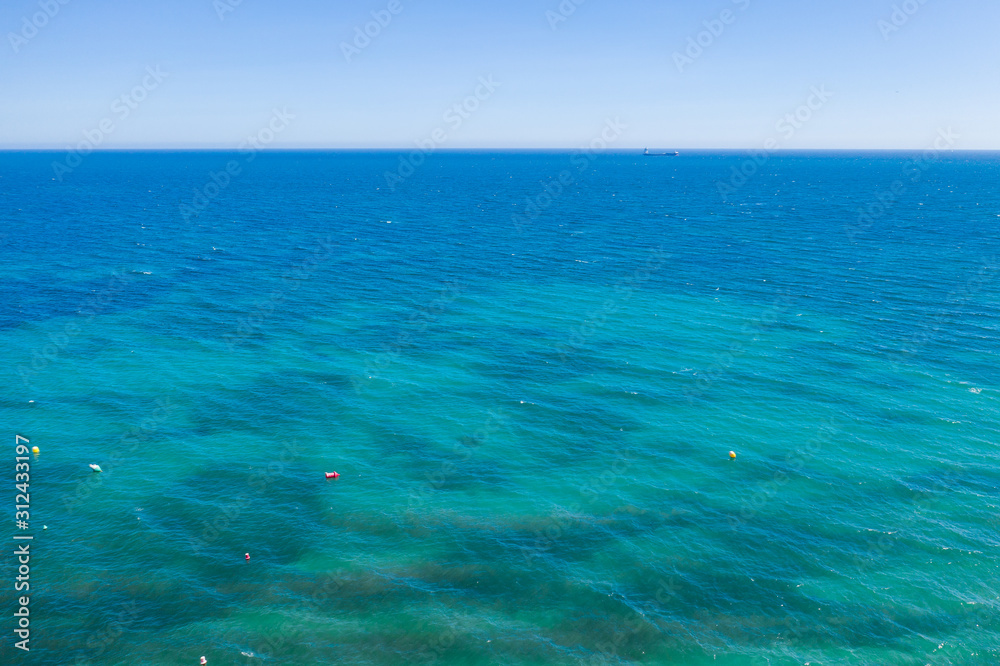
732	454
34	449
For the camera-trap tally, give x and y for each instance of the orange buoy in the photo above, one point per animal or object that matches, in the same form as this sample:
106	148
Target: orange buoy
332	475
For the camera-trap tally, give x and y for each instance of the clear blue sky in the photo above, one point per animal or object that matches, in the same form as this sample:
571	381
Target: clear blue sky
557	87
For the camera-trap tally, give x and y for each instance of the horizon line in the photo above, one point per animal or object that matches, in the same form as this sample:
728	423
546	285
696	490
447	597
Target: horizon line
408	149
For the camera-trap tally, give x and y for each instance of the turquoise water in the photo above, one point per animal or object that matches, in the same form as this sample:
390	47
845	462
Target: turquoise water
530	399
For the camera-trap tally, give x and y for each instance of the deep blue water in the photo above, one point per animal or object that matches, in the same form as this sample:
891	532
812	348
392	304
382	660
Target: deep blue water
530	392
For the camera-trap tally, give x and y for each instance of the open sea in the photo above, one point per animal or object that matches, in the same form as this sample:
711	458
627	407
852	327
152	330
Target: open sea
529	370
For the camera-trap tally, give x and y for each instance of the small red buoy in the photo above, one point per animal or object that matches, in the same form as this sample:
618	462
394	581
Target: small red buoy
248	557
332	475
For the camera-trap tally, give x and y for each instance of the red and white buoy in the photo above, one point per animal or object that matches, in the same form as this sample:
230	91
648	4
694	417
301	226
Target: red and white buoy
248	557
332	475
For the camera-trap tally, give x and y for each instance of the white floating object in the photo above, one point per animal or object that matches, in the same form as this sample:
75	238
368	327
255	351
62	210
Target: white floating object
96	468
